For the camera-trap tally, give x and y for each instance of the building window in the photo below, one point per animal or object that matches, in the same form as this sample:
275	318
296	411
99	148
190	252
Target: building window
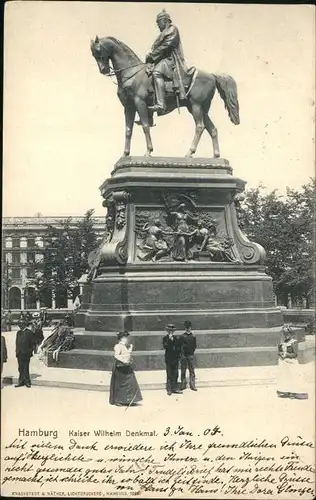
23	258
15	242
39	242
15	298
23	242
16	273
30	298
39	257
15	257
30	272
31	243
8	242
31	257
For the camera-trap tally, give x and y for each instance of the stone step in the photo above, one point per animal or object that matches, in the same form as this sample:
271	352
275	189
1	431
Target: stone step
88	359
148	341
151	318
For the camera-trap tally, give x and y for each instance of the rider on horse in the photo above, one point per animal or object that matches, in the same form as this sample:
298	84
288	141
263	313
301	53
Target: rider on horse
166	62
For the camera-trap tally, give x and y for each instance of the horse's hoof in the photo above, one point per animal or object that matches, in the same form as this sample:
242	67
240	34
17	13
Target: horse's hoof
189	155
126	153
216	155
147	154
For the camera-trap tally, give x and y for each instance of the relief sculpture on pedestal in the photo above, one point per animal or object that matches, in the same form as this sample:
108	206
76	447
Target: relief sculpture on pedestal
181	232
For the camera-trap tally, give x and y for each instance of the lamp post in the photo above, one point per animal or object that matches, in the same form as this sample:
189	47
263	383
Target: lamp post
6	282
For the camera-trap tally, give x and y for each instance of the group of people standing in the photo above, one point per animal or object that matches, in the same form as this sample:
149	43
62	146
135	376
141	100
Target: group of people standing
179	350
124	389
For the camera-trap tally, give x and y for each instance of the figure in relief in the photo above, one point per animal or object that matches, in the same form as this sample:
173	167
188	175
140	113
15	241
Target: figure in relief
180	248
220	249
154	245
181	217
200	237
181	232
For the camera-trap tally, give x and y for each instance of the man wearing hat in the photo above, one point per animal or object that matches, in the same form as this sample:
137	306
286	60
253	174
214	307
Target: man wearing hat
172	346
188	346
24	346
167	61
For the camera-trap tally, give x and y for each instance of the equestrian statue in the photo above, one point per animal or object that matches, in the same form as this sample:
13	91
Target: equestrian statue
162	84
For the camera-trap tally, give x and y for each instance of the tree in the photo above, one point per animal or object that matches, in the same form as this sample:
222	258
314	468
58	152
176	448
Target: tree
64	259
300	273
284	227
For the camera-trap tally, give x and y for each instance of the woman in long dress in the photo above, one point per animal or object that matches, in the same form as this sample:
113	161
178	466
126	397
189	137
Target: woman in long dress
124	389
290	379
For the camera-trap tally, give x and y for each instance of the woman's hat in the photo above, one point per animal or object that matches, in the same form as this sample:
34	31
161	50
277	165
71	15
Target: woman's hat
120	335
287	329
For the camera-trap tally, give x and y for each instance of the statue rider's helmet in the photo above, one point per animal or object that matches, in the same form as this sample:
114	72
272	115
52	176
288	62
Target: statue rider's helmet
163	15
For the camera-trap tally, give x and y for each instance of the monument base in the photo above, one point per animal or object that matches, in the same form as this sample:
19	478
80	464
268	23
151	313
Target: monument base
173	251
147	297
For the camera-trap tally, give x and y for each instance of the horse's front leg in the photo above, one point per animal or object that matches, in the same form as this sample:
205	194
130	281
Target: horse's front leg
142	110
129	112
197	114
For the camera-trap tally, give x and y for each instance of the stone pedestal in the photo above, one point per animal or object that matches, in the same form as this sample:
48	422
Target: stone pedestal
140	285
173	251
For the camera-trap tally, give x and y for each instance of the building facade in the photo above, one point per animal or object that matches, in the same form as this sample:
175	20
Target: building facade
22	241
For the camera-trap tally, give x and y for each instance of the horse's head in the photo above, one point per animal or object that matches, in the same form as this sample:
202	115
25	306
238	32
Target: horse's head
101	55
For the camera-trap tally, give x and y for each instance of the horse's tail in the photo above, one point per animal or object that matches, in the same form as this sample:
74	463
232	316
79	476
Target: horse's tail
227	89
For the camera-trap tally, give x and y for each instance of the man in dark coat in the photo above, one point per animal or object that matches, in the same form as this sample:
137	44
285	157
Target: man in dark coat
25	316
172	346
24	346
167	61
188	346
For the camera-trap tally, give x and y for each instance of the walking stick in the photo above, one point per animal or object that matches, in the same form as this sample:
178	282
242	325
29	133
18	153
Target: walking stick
178	103
131	401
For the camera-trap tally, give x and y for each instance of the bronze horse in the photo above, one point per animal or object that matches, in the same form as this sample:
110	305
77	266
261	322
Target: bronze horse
135	92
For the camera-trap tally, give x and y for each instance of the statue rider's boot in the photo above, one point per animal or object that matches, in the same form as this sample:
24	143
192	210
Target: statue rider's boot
160	106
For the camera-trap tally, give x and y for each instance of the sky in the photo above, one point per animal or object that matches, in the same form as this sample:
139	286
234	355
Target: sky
64	125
